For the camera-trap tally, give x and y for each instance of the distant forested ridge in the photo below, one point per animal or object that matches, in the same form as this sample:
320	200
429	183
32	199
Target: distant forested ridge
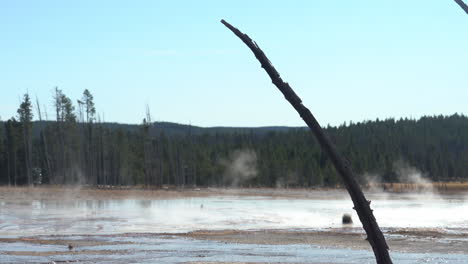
77	148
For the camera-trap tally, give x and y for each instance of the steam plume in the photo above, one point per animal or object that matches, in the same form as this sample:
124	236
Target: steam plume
240	167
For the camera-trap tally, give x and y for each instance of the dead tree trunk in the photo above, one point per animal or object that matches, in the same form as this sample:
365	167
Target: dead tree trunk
44	141
361	204
462	5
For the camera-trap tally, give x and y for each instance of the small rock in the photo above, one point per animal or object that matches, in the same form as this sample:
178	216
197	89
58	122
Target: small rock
347	219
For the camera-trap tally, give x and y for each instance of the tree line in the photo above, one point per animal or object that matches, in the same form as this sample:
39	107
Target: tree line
78	148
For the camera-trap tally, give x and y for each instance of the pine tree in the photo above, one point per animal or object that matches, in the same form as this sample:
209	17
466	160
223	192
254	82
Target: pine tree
25	116
90	109
90	155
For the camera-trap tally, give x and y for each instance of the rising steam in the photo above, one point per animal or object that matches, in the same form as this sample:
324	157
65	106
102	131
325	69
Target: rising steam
409	174
240	167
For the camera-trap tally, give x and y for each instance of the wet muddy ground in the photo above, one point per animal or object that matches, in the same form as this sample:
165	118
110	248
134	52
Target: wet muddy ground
266	246
47	225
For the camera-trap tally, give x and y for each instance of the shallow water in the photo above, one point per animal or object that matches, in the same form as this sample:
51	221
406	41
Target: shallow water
445	213
169	249
91	220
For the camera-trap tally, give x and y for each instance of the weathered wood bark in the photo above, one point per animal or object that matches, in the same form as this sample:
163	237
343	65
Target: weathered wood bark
462	5
361	204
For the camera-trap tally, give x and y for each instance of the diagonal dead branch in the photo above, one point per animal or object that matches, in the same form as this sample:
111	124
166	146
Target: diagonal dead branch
462	5
361	204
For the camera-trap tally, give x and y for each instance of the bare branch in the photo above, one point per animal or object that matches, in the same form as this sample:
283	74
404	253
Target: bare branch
462	5
361	204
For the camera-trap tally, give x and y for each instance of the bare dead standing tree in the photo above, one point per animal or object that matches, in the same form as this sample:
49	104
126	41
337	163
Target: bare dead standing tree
361	204
44	141
462	5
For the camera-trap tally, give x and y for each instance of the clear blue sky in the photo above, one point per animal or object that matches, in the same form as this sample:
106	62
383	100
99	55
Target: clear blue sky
348	60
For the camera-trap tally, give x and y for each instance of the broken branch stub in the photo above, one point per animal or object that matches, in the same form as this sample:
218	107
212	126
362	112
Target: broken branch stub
361	205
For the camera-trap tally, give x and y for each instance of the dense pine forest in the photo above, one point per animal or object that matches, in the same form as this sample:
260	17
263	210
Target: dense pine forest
77	148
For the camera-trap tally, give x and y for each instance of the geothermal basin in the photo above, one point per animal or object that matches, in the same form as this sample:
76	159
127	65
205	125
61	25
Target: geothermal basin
46	225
